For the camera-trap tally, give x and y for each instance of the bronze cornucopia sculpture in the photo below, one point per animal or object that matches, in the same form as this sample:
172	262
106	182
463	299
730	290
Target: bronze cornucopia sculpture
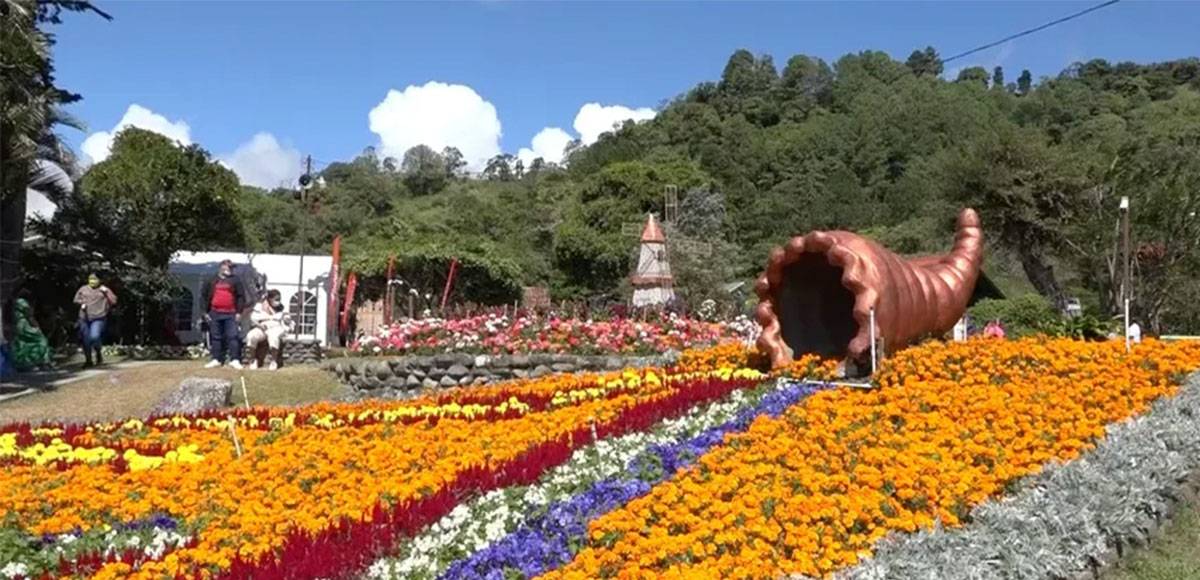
818	291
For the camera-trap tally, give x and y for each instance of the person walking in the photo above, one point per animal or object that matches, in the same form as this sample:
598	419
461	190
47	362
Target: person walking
271	322
95	301
223	297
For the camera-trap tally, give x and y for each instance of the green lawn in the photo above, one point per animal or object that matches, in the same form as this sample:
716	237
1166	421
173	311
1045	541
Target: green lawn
1174	555
124	391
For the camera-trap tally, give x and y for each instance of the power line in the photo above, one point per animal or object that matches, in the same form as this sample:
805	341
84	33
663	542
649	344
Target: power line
1032	30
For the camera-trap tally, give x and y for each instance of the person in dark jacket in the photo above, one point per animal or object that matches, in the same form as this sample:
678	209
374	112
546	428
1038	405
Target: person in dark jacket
225	300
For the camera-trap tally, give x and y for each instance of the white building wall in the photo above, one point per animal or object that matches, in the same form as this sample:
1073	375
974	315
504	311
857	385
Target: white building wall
282	272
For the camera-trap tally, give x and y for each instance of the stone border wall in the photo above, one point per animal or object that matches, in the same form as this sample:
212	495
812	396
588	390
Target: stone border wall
376	376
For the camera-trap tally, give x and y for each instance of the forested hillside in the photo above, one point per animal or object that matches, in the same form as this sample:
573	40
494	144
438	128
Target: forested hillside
867	143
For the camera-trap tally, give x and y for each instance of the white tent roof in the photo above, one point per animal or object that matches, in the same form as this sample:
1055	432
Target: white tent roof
278	268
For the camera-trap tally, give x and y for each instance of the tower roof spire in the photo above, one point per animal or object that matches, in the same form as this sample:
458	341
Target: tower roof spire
652	232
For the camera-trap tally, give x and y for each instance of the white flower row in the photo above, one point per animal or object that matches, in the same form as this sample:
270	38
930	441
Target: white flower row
473	525
153	543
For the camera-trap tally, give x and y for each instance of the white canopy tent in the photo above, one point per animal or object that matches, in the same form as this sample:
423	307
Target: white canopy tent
309	308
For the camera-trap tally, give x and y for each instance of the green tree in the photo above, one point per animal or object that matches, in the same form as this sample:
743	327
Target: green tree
424	170
499	168
925	62
455	164
998	77
156	198
974	74
1024	82
30	108
1028	191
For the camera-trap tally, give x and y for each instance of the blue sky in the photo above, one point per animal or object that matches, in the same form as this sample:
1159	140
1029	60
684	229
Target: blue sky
305	76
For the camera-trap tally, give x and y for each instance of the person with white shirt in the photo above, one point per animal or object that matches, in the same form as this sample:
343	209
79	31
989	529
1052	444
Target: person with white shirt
270	322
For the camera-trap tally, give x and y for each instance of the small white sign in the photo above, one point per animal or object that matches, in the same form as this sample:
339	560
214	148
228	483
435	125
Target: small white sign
960	330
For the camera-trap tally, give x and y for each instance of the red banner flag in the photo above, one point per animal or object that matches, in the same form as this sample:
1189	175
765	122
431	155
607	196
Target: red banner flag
331	319
449	282
351	285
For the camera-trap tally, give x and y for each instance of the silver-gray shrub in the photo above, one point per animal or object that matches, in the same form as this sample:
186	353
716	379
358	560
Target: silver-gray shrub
1068	519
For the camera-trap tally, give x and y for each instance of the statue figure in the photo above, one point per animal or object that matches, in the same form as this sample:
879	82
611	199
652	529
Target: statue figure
819	290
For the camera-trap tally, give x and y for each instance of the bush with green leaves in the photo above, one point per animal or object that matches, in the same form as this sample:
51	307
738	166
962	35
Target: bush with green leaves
1021	316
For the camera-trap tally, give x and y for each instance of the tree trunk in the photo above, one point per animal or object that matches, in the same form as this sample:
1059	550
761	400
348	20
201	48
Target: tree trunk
1041	275
12	233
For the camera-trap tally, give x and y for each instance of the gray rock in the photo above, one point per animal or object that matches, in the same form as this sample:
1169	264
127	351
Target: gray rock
417	372
613	363
540	371
382	371
195	394
466	380
444	361
395	384
519	361
447	382
541	359
421	362
563	368
412	382
457	372
466	360
436	373
482	360
398	365
480	381
500	362
429	383
520	373
562	359
370	382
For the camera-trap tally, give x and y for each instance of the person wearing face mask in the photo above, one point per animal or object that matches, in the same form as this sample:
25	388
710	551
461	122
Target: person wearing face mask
271	322
225	301
94	300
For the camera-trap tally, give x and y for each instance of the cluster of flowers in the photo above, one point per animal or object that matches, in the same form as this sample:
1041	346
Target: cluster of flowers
811	491
609	472
499	333
277	489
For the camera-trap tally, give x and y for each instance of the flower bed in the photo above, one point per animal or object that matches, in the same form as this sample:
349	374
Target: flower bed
497	333
1072	520
811	491
294	483
697	471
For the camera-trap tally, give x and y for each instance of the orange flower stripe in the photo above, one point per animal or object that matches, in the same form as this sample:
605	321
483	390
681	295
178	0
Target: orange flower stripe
812	490
304	469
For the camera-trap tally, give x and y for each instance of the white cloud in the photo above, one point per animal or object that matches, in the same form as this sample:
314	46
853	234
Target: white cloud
98	145
264	163
594	119
438	115
548	144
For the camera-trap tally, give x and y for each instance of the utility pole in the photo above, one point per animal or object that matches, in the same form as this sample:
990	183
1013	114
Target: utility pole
1126	260
305	183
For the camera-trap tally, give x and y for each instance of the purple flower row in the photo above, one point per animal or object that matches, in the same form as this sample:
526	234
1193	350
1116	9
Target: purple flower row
552	539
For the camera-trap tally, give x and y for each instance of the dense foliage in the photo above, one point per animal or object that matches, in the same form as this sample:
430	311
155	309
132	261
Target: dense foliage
867	143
